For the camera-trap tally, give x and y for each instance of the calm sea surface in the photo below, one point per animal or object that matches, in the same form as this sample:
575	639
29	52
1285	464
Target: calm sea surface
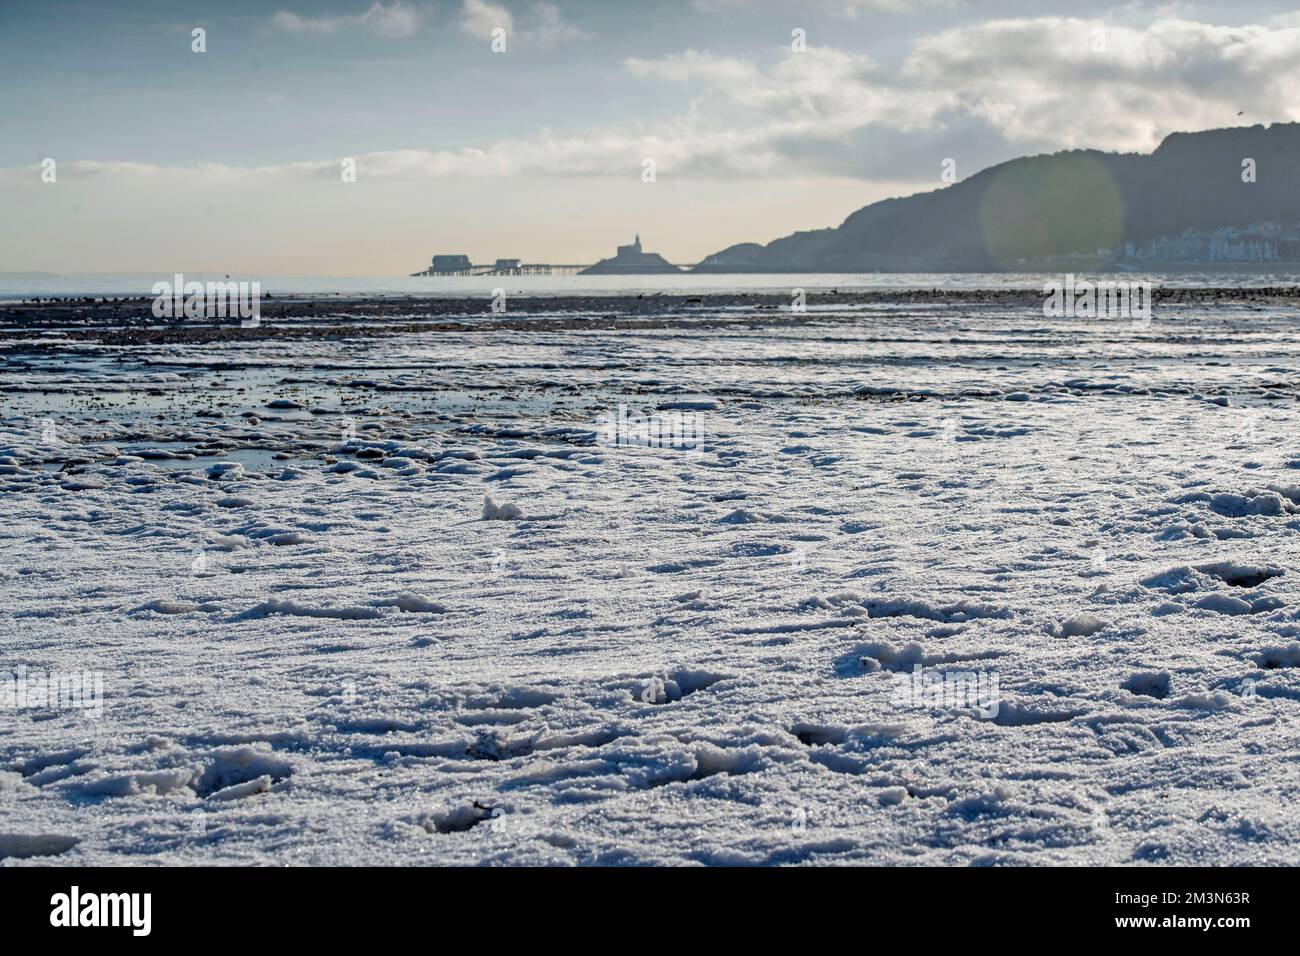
27	285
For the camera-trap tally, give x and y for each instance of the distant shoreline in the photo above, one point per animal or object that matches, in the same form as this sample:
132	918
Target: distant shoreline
15	286
313	317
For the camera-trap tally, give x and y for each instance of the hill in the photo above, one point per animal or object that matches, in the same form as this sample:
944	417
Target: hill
1184	204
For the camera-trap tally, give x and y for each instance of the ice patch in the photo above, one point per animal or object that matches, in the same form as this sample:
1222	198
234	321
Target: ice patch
23	846
1224	604
1272	658
165	606
286	538
238	791
235	766
670	687
495	512
1148	684
1238	506
877	655
1215	701
1081	625
294	609
1240	575
411	604
157	781
957	612
230	470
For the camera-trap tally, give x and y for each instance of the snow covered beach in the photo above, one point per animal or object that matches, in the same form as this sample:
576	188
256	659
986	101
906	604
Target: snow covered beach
315	647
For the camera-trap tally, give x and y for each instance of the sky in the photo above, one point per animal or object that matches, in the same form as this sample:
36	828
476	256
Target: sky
761	118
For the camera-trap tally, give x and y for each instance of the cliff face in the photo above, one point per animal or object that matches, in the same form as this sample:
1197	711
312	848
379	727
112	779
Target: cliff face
1079	208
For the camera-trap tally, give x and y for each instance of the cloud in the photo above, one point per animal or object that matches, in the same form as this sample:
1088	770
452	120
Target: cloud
479	18
843	8
393	22
1065	82
1033	83
821	89
545	27
693	66
850	8
293	23
551	29
979	93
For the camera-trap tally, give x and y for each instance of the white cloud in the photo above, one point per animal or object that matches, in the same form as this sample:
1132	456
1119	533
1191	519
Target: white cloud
909	6
716	6
1042	81
1038	83
551	29
544	29
693	66
393	22
293	23
980	93
843	8
479	18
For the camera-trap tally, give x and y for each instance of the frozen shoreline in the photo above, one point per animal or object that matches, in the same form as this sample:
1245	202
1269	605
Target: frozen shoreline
672	656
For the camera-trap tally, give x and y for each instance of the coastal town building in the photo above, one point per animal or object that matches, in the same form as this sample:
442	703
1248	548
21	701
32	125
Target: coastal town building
1260	242
451	265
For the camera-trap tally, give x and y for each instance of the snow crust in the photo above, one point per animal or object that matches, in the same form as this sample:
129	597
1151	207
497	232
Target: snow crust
399	604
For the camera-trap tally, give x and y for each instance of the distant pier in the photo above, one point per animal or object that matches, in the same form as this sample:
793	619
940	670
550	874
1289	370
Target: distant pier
460	265
522	269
